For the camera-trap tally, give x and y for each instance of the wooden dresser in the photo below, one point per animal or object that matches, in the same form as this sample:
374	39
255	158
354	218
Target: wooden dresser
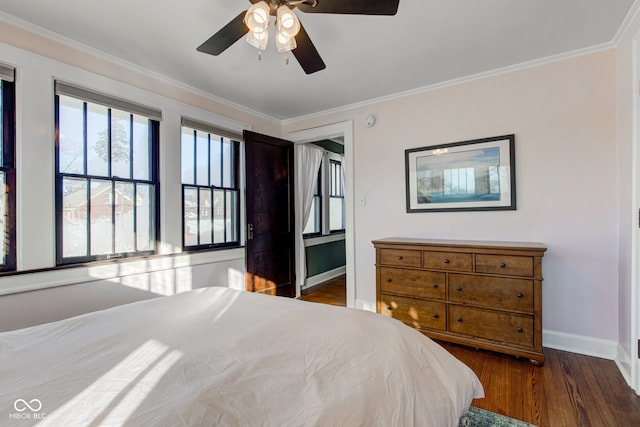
482	294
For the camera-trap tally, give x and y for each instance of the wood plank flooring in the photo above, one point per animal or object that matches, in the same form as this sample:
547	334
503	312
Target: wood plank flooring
570	390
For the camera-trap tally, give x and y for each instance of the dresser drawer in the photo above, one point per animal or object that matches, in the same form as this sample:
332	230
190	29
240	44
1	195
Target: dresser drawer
417	313
492	325
505	264
401	257
428	284
447	261
497	292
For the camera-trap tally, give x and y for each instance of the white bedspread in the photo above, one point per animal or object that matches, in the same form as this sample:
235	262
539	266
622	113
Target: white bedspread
216	356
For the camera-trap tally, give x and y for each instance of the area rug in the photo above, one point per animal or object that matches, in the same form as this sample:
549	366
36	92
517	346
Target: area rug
477	417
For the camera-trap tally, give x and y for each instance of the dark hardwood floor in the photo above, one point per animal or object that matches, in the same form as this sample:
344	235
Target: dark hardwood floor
569	390
330	292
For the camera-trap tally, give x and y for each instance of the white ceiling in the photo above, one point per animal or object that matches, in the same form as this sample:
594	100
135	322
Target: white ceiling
367	57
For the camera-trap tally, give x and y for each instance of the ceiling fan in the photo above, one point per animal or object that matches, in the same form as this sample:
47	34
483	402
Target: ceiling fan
291	35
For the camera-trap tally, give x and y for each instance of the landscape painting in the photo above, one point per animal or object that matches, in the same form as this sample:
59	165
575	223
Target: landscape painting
468	175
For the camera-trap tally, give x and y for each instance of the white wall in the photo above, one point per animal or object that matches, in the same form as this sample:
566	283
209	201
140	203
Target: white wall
38	62
564	117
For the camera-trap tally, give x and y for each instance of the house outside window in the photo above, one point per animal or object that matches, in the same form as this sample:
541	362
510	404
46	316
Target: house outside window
107	188
210	187
7	170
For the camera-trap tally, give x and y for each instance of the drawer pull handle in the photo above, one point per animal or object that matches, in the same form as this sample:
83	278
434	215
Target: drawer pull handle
435	286
436	316
388	279
399	257
446	261
520	329
389	308
503	265
459	319
519	295
459	288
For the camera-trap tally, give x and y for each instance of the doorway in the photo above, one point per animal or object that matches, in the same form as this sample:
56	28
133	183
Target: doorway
342	130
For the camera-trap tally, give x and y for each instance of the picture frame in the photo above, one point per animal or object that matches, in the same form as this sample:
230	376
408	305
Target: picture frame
474	175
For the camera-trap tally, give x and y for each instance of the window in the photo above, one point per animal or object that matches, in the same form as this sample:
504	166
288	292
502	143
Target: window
314	223
7	170
336	197
210	188
107	188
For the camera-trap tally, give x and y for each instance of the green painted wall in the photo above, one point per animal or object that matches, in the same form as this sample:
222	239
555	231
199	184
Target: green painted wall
325	257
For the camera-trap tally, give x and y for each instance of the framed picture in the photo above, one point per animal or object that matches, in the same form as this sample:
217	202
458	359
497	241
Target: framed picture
476	175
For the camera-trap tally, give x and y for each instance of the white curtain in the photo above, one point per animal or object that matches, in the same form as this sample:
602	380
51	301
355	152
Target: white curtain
307	163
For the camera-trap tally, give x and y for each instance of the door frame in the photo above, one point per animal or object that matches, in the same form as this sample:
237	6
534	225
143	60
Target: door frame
634	374
345	130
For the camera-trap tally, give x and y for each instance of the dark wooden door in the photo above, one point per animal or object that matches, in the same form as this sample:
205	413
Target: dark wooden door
270	215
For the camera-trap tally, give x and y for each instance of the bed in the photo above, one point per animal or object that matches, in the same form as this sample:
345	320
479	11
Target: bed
217	356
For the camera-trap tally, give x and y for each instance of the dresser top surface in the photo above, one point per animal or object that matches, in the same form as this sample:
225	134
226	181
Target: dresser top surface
458	243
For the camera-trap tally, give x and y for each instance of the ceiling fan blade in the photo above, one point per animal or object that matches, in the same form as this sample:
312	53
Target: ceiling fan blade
228	35
307	54
353	7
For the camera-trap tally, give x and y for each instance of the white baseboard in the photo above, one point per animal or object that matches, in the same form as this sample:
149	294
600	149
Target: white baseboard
623	361
605	349
366	305
323	277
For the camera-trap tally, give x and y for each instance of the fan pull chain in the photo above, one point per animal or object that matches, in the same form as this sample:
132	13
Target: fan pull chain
259	55
286	59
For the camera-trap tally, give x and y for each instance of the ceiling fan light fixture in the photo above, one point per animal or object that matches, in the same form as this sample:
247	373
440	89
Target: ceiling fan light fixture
287	21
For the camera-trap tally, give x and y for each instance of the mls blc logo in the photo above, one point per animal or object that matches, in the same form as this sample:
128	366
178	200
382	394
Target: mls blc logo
27	410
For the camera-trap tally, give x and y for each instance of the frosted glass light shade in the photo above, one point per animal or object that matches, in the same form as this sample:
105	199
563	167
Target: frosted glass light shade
284	42
258	38
257	16
287	22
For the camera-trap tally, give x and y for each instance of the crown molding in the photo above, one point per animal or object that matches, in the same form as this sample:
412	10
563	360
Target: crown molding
631	15
453	82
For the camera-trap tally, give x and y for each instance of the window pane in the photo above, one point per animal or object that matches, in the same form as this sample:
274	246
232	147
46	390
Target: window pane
232	208
101	214
335	214
120	144
202	158
145	212
216	161
3	216
205	216
71	135
97	140
227	169
187	159
141	149
124	217
218	216
74	217
190	206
